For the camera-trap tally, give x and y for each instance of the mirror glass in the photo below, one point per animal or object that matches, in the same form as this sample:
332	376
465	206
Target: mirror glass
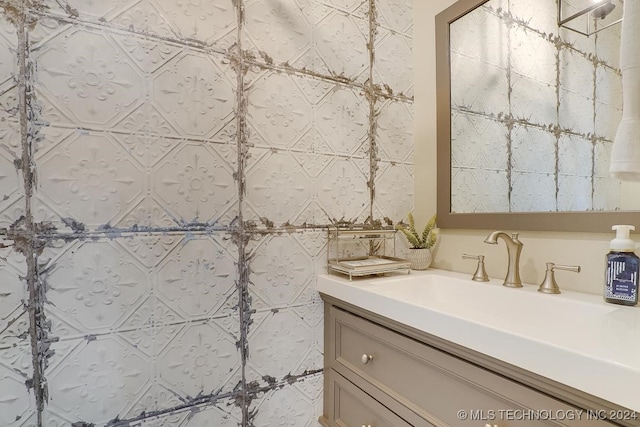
530	112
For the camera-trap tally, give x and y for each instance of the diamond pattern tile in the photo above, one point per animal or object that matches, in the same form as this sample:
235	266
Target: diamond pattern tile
268	31
87	77
195	184
197	279
96	285
276	330
15	400
391	49
395	132
277	111
393	195
280	272
200	360
89	178
293	405
341	44
277	187
98	380
196	92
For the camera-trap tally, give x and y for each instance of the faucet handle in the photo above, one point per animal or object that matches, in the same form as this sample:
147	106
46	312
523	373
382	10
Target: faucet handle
549	285
481	274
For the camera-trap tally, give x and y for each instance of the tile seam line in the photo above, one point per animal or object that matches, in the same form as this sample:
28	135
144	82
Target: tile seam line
36	315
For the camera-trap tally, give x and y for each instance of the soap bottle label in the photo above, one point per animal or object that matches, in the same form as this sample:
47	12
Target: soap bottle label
622	278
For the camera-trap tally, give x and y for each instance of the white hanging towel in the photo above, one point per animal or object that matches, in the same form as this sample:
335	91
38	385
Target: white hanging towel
625	153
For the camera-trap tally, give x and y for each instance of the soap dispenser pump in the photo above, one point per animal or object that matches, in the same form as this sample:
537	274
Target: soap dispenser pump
623	266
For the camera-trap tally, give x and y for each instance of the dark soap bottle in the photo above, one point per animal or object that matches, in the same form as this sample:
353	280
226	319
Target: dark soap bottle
623	266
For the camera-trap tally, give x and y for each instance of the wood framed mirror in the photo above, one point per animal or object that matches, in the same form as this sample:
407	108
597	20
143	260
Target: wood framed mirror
581	196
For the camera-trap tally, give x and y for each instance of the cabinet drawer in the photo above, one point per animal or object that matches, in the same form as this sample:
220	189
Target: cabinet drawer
351	407
436	385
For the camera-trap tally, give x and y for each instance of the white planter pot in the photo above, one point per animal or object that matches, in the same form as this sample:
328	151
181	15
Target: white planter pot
420	258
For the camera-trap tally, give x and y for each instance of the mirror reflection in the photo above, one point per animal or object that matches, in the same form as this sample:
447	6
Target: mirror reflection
534	111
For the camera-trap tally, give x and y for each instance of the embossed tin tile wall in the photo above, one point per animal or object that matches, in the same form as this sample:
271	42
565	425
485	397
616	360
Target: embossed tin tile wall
168	170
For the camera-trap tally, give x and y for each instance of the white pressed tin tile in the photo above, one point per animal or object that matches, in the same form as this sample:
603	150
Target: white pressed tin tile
269	334
478	86
276	31
277	110
147	134
210	21
224	413
574	193
11	181
277	186
13	286
540	15
313	315
393	61
148	54
342	118
608	46
16	401
98	380
476	34
479	190
202	359
394	190
396	15
577	41
10	138
87	77
87	9
280	270
198	279
355	7
609	87
341	190
474	137
533	100
196	92
15	346
195	184
602	157
533	192
607	121
532	55
89	178
577	73
607	195
293	405
394	131
143	17
576	112
96	285
341	43
575	156
150	250
533	150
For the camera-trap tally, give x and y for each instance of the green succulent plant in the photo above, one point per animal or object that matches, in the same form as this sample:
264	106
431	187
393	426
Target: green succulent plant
426	239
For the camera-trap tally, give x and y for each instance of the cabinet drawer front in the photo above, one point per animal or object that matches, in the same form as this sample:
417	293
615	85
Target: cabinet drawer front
354	408
436	385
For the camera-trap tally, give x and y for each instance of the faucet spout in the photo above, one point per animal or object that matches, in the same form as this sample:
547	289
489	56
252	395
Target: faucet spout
514	248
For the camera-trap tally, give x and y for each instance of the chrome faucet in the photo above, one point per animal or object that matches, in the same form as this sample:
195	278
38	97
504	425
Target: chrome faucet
514	248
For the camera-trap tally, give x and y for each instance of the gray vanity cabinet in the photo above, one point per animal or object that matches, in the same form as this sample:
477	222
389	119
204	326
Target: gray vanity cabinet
377	375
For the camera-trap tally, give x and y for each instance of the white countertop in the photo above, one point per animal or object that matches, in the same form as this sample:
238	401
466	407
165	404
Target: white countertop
574	338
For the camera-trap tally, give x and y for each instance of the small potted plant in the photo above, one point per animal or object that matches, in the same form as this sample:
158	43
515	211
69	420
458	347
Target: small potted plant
421	243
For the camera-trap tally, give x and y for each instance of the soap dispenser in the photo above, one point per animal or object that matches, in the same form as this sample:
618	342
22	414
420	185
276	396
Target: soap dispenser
623	265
